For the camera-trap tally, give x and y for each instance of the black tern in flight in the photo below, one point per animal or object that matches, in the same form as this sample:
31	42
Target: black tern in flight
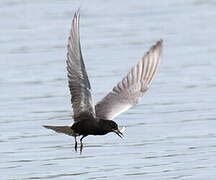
90	119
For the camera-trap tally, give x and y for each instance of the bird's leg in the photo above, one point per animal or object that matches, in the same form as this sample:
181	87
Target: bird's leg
81	143
75	147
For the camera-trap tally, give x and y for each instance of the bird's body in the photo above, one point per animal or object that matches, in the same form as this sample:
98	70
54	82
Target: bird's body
91	127
90	119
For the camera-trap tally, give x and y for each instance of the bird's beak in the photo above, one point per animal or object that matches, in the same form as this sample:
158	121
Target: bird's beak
118	132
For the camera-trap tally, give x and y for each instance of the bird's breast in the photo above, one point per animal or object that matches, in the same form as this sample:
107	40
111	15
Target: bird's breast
88	127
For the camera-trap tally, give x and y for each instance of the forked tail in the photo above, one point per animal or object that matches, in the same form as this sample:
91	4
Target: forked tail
62	129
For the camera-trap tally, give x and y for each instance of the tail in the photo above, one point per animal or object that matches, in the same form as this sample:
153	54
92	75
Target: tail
62	129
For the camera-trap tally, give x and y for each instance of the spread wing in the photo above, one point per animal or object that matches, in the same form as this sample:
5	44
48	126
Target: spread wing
79	85
128	92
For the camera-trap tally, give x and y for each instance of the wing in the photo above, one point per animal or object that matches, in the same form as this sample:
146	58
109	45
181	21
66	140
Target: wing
128	92
79	85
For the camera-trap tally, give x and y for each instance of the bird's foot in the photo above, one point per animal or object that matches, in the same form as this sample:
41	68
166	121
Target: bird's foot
81	147
75	147
81	144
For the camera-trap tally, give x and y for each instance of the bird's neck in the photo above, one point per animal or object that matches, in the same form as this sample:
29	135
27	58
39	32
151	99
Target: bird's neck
103	126
100	127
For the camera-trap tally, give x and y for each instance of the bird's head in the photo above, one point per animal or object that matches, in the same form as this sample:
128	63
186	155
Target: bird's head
111	126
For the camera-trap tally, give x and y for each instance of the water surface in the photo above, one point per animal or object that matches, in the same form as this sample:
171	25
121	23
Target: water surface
171	134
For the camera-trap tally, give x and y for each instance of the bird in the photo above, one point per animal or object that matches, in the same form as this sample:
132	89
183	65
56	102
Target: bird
90	119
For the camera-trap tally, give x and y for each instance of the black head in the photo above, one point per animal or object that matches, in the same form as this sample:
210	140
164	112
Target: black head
111	126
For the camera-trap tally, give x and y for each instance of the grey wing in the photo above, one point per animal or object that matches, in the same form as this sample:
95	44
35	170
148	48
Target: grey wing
128	92
79	84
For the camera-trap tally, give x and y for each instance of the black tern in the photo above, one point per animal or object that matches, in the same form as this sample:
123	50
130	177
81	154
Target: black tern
90	119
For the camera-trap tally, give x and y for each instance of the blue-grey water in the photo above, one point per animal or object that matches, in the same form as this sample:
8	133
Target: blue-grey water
171	134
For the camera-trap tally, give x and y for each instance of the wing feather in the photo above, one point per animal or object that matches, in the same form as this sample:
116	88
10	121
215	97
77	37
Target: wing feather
79	84
128	92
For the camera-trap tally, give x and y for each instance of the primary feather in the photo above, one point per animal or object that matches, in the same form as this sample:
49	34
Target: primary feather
128	92
79	84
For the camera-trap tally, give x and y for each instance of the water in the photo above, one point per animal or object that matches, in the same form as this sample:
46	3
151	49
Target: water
170	135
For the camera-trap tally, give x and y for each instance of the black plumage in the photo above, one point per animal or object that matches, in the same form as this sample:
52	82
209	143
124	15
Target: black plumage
98	119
